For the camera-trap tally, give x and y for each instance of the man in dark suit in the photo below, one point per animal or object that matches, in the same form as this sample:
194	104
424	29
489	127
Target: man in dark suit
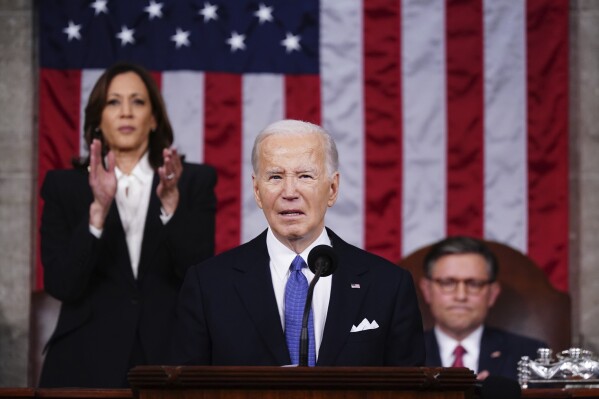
233	308
460	287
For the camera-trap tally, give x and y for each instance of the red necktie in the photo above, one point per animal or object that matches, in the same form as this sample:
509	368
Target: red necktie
459	356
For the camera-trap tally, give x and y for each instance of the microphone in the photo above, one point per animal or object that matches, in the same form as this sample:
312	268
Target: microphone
322	261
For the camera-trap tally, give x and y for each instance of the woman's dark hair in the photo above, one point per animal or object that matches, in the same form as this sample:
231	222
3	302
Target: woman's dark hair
160	138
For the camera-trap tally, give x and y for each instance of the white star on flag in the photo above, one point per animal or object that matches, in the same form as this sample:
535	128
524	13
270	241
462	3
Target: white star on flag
236	41
126	36
181	38
154	9
291	42
72	31
209	12
99	6
264	14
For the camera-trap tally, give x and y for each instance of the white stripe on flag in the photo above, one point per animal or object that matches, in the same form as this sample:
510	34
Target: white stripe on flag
343	110
259	110
183	93
506	179
424	123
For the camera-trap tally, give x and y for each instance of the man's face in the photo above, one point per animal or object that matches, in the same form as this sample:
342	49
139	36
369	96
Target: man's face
458	293
293	189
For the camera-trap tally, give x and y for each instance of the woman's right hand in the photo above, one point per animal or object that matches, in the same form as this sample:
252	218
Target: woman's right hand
102	182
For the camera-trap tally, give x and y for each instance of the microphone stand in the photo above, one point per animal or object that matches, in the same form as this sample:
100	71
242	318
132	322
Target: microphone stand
303	349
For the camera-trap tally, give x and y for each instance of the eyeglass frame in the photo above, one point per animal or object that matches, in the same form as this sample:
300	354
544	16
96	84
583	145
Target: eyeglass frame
472	286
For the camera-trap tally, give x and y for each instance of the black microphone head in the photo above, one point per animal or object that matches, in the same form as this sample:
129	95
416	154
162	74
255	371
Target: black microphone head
497	387
322	257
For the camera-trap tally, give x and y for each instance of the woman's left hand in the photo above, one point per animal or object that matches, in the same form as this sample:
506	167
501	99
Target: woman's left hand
169	172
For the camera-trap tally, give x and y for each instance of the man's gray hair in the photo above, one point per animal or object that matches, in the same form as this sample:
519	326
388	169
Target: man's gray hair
295	127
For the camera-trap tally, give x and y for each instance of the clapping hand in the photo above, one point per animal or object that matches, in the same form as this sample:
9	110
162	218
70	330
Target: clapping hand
169	172
102	182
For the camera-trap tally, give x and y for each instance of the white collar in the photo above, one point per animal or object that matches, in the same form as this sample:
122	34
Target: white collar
281	256
447	344
142	170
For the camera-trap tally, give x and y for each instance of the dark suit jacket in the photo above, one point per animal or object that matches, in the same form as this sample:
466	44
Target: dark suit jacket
105	310
228	313
500	351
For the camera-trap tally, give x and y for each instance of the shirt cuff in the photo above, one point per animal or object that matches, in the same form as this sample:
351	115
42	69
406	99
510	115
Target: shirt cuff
96	232
164	216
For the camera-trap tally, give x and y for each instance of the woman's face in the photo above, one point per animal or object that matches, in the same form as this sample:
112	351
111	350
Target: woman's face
127	117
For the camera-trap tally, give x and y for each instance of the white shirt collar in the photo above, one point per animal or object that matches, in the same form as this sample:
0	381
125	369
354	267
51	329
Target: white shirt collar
471	343
142	170
281	256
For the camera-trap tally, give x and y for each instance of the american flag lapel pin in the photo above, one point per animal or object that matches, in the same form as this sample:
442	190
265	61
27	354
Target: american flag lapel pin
355	285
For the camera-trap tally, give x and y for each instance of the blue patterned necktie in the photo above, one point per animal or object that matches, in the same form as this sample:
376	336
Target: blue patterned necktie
295	300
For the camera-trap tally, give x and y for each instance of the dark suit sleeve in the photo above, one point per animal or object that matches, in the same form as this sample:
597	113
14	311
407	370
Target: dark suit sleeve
501	350
190	232
191	345
405	343
69	251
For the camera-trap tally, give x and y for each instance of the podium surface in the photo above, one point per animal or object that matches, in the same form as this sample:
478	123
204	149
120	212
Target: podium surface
171	382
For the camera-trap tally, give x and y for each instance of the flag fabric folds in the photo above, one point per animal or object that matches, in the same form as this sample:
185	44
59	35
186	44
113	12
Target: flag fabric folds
450	116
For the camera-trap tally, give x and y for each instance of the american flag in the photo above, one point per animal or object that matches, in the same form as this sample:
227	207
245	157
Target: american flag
450	116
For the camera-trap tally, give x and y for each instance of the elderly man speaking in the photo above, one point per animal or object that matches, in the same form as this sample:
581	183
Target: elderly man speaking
238	307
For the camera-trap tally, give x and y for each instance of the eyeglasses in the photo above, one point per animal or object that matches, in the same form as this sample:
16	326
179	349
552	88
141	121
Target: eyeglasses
449	285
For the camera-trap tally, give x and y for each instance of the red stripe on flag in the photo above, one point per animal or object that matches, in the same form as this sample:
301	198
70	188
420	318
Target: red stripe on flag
157	75
547	80
59	97
383	141
465	110
302	98
223	127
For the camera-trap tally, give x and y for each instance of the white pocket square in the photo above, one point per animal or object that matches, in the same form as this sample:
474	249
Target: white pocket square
365	325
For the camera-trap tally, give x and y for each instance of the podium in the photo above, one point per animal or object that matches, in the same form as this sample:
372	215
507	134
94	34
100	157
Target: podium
200	382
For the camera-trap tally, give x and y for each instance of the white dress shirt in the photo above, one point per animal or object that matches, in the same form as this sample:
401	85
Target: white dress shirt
132	200
280	261
471	343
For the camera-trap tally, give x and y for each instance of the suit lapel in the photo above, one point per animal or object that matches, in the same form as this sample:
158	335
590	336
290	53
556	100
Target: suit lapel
254	286
153	230
344	303
113	231
433	357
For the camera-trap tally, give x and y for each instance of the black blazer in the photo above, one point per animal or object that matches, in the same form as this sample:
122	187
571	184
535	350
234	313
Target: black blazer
500	351
105	310
228	313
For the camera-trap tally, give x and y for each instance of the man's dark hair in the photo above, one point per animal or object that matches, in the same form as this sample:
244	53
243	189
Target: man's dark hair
458	245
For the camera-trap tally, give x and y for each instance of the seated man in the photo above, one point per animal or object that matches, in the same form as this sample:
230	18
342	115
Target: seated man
460	287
